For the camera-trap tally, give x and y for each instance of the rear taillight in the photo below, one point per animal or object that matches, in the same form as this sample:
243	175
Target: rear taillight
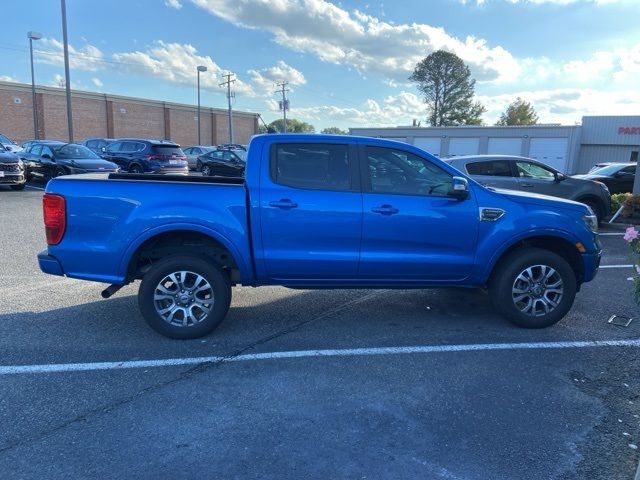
55	217
155	157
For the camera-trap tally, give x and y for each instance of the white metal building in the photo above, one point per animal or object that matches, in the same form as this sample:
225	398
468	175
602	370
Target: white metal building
570	149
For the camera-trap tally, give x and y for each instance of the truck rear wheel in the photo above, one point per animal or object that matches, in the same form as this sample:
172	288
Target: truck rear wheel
184	297
533	288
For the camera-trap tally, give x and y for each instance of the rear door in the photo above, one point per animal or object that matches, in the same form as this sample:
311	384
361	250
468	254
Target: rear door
412	231
311	212
497	173
46	162
112	153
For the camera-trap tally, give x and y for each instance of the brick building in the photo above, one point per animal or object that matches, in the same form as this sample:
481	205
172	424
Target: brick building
113	116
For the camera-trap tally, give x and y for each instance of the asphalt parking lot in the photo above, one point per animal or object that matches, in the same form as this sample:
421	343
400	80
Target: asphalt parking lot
477	398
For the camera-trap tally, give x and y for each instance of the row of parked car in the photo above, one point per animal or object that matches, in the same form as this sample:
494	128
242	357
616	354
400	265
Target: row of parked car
46	159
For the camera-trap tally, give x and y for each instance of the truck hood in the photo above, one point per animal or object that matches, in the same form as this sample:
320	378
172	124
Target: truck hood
542	200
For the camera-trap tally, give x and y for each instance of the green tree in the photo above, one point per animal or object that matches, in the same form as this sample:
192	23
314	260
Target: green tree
448	89
335	131
519	112
293	126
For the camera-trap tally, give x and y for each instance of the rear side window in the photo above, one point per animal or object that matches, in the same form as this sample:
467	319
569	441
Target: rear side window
114	147
36	149
494	168
314	166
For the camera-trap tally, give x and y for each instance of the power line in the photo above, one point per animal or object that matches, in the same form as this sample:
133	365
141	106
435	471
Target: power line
230	79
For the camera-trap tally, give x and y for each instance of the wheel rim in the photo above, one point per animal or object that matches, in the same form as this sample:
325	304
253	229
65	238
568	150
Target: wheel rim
537	290
183	298
135	169
205	171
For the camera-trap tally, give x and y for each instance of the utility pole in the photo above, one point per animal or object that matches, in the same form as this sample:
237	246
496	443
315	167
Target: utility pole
284	103
229	80
199	68
33	36
65	41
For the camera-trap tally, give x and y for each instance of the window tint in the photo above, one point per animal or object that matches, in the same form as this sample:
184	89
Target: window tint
634	157
494	168
46	150
631	169
532	170
307	165
167	150
114	147
36	149
128	147
92	143
399	172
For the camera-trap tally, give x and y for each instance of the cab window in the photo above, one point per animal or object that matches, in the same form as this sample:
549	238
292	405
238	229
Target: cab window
532	170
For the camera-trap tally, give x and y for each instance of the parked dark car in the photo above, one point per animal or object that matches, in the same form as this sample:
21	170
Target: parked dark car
194	152
528	175
97	145
136	155
223	162
11	169
46	160
618	177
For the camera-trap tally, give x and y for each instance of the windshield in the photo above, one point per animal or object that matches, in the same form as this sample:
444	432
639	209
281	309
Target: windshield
242	154
608	170
75	152
4	139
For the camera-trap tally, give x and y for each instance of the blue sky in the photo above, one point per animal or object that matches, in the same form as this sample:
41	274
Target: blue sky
347	62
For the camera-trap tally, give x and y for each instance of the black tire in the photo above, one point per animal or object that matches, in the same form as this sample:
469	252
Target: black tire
206	171
135	168
506	274
596	207
18	187
219	284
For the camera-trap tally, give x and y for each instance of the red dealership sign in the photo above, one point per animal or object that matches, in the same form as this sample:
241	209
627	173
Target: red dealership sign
629	131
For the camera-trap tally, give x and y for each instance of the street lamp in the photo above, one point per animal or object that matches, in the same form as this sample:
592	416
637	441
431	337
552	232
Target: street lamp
200	68
33	36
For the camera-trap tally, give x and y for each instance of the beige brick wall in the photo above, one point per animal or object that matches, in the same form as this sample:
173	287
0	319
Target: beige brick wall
129	117
16	119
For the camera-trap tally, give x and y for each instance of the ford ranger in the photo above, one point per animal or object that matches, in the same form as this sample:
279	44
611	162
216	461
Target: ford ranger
317	211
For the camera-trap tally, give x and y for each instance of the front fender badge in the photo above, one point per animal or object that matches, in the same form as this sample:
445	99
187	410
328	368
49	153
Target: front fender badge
488	214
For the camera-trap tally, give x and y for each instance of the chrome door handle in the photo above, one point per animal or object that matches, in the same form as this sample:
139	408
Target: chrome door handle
285	203
526	185
385	210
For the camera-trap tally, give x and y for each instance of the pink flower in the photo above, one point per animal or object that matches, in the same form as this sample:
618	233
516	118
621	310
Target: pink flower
630	234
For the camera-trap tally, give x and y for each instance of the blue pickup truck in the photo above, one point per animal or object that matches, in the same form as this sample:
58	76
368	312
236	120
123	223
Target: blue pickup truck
317	211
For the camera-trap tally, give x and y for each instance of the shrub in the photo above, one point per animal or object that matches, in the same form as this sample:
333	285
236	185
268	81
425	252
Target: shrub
617	200
631	206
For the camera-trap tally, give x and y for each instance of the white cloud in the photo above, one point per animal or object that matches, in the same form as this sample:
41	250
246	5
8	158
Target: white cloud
50	51
97	82
176	63
265	79
173	4
8	78
360	40
540	2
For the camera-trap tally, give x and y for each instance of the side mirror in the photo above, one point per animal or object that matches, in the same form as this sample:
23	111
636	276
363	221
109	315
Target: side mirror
103	149
560	177
459	188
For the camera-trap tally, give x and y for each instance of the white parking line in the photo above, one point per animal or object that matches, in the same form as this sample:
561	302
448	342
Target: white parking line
616	266
36	188
348	352
611	234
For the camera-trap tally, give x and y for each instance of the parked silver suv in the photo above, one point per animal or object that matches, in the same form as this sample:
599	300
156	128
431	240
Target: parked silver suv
527	175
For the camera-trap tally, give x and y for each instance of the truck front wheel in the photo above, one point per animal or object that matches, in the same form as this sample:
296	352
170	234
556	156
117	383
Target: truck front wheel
533	288
184	297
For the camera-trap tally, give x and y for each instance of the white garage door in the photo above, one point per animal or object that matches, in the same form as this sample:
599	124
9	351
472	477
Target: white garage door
428	144
505	146
397	139
551	151
463	146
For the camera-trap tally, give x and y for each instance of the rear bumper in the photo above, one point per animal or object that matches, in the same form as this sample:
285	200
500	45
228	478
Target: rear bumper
49	264
590	264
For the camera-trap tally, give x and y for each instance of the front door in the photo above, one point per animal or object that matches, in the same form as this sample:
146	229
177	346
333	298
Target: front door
412	230
540	179
311	212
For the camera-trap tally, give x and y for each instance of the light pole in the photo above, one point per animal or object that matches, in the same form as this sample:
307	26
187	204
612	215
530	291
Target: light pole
33	36
63	6
200	68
